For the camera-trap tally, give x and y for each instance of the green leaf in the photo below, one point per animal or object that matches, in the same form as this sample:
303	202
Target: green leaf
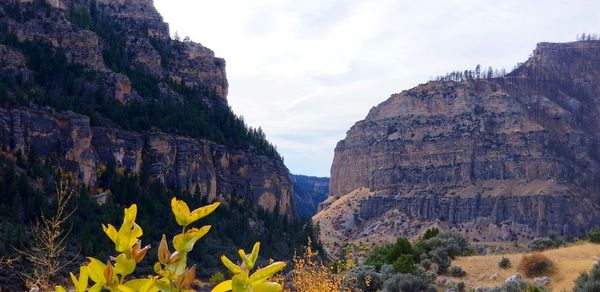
249	264
240	283
254	254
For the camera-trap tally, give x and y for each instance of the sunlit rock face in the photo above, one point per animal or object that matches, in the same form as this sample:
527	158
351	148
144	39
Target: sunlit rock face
499	159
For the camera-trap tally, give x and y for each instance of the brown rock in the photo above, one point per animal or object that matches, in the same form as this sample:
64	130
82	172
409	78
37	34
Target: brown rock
497	159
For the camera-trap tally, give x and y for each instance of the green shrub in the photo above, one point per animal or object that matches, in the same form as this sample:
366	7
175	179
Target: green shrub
405	263
544	243
390	253
378	256
504	263
356	278
216	278
441	249
408	282
594	235
535	265
456	271
402	246
518	286
588	281
426	264
430	233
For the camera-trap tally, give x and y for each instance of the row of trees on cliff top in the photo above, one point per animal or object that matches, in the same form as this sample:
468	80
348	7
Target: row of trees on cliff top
477	73
588	37
490	73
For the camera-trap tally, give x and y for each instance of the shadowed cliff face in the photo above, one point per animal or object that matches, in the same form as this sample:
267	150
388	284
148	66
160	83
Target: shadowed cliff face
122	48
519	151
309	192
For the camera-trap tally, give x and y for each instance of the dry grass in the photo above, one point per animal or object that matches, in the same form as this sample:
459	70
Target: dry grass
569	263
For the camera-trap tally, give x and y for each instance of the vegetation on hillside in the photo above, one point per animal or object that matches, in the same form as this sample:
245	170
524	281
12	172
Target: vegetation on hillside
65	86
27	189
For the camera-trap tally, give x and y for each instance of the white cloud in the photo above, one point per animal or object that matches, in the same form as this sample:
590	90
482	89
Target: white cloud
306	71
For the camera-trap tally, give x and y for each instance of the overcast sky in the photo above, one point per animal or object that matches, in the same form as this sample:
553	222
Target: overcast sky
307	70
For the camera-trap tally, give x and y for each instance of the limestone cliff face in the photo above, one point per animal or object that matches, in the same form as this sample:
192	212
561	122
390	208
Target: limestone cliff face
113	43
519	151
195	165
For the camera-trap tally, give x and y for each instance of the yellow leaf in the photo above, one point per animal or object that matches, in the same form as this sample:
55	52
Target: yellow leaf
185	242
223	287
96	288
123	265
230	265
262	274
182	213
129	232
81	283
96	270
111	231
268	287
203	211
123	288
142	285
130	213
59	289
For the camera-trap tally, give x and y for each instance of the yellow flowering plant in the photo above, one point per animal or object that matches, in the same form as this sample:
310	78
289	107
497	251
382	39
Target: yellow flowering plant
172	273
242	281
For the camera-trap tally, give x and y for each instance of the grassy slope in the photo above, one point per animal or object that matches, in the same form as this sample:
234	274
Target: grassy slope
569	263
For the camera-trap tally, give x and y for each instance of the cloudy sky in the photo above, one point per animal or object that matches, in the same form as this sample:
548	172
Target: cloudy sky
305	71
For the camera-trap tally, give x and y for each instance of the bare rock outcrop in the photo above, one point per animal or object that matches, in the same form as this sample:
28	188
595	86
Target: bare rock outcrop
499	159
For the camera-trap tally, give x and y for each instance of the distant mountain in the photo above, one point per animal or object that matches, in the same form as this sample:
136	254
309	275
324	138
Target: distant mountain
495	157
309	192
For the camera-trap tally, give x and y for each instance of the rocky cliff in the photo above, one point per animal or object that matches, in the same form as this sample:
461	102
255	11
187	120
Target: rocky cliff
500	159
85	81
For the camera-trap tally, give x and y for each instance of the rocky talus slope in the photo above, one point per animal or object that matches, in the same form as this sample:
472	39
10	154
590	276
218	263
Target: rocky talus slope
118	56
499	159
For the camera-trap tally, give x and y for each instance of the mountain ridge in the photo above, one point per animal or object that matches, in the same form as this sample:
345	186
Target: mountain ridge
504	158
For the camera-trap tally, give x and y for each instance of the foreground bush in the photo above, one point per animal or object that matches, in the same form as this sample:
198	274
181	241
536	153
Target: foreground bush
535	265
366	278
594	235
433	248
310	274
504	263
457	272
172	272
409	282
518	286
588	281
